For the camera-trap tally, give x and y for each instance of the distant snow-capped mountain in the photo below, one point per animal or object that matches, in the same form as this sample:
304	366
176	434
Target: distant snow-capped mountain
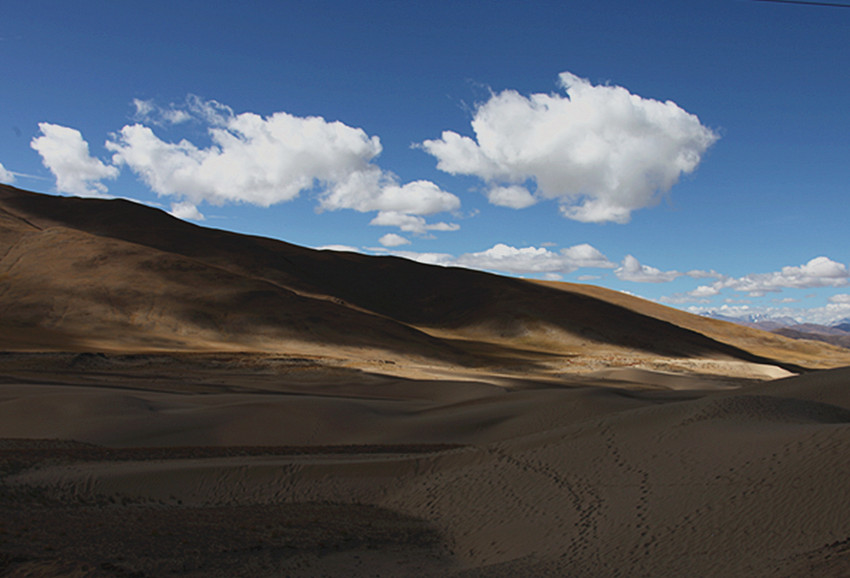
837	333
757	320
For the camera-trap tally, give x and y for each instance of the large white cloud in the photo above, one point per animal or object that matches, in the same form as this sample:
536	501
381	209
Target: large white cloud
66	154
268	160
601	151
6	176
257	160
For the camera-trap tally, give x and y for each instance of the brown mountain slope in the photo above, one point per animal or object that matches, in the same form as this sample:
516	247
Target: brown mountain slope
816	333
62	288
763	343
181	279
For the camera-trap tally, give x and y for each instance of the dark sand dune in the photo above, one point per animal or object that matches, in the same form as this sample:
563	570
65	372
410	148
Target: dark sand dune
176	400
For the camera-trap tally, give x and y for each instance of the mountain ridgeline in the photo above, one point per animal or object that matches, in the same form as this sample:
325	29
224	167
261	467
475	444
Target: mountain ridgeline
91	274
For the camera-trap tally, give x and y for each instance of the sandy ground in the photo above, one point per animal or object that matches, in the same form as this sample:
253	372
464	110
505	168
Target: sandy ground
247	465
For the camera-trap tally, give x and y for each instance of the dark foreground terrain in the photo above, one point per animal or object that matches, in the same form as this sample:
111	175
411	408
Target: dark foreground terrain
638	473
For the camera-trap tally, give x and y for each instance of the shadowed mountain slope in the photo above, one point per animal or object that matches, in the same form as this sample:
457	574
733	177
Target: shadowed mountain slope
134	275
813	332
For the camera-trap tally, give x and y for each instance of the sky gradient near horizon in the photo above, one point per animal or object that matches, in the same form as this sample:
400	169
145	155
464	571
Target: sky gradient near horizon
690	152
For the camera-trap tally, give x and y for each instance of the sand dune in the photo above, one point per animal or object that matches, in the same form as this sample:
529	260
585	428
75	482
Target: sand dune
177	400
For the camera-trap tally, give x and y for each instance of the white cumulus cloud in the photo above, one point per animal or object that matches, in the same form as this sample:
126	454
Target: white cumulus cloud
443	259
704	291
393	240
410	223
340	248
601	151
66	154
6	176
520	260
633	270
269	160
186	211
501	257
514	196
374	190
256	160
585	255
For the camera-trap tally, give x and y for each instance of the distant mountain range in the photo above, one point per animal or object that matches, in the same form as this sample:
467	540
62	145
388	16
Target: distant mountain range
837	333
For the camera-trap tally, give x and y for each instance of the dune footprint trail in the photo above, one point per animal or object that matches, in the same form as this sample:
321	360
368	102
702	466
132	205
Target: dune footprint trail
730	483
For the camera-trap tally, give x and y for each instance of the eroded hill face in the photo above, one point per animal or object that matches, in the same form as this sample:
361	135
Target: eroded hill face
92	275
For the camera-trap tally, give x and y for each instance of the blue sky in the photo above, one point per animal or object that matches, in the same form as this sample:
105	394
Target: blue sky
689	152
